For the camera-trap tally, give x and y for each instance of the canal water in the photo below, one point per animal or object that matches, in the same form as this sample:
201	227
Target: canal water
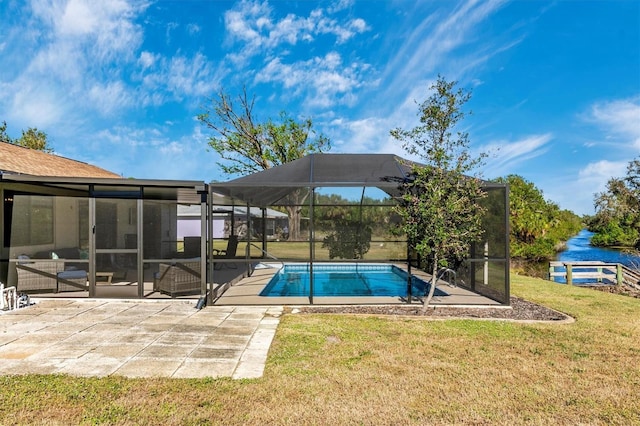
579	249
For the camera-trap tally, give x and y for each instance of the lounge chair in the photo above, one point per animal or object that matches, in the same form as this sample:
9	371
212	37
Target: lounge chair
191	247
229	253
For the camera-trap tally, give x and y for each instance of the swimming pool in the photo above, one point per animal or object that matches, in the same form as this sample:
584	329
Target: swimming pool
345	280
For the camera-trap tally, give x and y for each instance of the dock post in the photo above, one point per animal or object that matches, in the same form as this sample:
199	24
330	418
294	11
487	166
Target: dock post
551	271
569	274
619	276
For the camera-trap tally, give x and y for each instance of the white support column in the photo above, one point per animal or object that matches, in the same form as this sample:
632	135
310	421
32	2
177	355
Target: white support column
486	263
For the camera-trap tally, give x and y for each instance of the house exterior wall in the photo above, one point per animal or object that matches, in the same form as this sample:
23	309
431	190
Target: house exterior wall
66	230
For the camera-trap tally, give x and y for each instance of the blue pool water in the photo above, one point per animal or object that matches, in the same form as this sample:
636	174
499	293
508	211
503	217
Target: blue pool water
348	280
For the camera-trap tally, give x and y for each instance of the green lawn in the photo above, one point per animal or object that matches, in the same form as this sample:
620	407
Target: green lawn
341	369
299	250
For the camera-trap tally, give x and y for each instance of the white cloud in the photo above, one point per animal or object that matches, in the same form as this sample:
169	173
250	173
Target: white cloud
193	29
153	153
340	5
619	124
595	175
619	119
147	59
109	97
81	59
177	78
73	60
252	24
171	27
343	32
576	191
366	135
505	156
190	77
359	25
427	46
372	133
238	23
105	29
325	80
36	105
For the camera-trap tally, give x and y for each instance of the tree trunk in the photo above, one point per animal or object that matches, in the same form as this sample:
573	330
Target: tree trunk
294	210
432	287
294	222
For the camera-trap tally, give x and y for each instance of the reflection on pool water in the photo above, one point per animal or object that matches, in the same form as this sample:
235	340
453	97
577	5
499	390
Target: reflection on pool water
346	280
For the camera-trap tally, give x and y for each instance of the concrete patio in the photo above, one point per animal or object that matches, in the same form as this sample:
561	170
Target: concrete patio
149	338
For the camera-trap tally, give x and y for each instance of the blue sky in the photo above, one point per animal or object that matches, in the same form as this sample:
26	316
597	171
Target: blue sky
118	83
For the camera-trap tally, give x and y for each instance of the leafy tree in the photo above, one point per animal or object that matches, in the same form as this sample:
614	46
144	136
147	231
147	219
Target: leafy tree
36	139
4	137
538	227
439	207
350	238
350	227
529	211
617	218
32	138
247	145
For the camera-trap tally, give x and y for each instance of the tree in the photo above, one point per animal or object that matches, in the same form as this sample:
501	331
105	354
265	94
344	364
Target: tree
439	205
32	138
248	146
350	231
4	137
36	139
348	225
537	226
617	218
350	238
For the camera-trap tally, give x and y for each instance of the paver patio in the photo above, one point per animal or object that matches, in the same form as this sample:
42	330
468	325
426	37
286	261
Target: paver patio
137	339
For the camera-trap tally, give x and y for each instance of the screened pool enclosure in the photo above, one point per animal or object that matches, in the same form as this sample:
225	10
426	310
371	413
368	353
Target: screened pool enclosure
226	242
340	210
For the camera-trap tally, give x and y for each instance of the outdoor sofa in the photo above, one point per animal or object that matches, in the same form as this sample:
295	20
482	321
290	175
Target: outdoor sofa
51	271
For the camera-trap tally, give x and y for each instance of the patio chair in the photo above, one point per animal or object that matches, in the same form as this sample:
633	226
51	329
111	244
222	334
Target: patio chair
192	247
229	253
179	278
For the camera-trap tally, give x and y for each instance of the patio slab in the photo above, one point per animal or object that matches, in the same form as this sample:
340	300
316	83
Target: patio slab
138	338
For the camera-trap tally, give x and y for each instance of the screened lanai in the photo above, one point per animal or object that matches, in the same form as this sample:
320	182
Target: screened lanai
101	237
340	217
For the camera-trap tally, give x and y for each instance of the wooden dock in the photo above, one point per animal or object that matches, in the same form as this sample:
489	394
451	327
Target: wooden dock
590	273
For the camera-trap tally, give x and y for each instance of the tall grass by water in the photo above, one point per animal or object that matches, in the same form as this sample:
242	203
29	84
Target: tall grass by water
342	369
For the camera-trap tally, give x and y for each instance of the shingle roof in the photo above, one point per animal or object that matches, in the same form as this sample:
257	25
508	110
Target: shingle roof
16	159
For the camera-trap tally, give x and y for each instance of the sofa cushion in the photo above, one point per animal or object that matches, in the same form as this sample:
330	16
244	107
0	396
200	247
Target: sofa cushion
72	274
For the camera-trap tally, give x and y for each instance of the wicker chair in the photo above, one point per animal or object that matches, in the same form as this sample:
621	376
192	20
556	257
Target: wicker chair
49	275
179	278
